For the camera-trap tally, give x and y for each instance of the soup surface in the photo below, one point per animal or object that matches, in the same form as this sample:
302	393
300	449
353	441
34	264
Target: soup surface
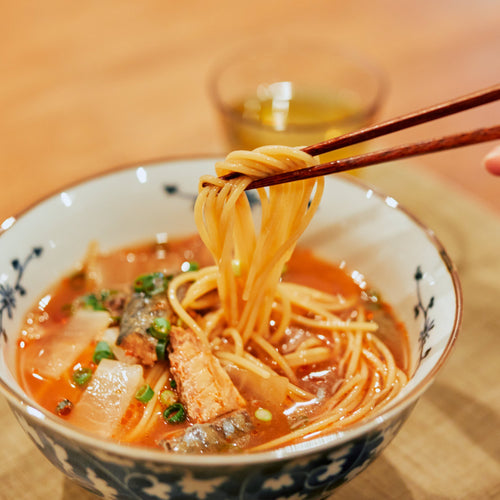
105	353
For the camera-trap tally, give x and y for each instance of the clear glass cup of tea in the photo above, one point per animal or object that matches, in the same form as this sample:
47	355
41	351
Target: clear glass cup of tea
295	93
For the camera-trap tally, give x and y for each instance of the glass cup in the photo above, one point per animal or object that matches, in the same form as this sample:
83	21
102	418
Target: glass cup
295	93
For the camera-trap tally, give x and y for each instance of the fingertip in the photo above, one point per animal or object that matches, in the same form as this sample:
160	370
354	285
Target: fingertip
492	161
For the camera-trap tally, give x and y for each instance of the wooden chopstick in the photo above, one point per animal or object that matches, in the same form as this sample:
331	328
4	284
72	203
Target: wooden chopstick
447	108
385	155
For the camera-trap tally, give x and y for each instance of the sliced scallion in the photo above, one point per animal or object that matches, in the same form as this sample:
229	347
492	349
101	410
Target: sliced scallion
82	376
190	266
144	393
160	328
151	284
263	415
175	414
91	301
102	351
161	346
168	397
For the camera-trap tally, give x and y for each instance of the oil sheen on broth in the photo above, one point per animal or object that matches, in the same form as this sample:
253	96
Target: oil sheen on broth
258	410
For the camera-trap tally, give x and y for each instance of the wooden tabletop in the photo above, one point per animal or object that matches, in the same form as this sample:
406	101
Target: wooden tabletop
86	86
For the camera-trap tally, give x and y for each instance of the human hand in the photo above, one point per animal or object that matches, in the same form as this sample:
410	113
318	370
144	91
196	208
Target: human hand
492	161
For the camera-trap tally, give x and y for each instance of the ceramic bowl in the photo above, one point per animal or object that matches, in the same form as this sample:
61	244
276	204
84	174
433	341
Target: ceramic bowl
367	231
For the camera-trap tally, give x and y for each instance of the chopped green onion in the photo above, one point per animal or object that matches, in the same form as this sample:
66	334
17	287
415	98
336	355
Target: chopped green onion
173	384
263	415
160	328
81	376
175	414
97	302
161	346
102	351
145	393
168	397
64	407
190	266
151	284
91	301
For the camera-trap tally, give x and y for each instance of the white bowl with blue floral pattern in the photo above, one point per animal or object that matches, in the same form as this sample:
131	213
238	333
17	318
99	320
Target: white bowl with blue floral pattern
356	225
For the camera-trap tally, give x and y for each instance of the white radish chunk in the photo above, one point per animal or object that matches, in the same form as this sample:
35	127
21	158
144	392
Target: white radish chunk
60	351
107	397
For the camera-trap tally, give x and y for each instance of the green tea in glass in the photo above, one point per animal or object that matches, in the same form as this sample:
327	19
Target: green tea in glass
295	93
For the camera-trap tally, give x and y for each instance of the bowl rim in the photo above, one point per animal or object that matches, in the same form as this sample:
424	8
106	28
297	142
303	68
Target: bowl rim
313	446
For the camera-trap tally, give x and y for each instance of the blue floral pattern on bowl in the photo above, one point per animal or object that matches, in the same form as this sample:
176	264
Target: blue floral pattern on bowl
424	310
8	292
114	477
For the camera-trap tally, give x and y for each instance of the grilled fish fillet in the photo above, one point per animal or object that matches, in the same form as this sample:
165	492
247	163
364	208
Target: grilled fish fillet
206	390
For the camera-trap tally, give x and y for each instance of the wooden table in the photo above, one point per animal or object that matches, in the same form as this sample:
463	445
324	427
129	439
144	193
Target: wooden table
91	85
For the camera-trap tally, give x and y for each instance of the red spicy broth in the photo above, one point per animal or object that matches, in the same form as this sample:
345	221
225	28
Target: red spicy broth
118	269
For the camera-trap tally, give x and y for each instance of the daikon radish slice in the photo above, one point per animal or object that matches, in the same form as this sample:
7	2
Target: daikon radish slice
61	350
107	397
